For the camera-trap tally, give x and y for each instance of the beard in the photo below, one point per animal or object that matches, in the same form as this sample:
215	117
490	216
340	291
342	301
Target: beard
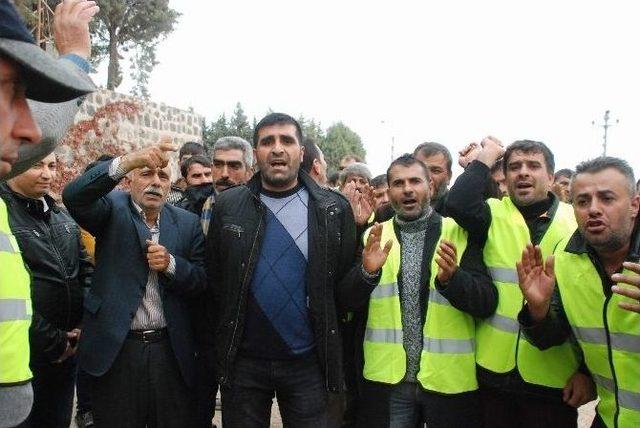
280	180
439	191
615	241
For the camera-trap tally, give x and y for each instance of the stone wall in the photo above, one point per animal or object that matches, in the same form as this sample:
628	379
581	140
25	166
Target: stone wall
153	119
114	124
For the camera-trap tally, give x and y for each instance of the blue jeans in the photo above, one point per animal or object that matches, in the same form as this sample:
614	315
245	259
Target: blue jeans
411	406
298	385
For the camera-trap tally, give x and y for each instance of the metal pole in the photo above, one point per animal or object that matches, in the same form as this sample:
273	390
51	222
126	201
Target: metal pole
604	137
39	24
605	126
393	142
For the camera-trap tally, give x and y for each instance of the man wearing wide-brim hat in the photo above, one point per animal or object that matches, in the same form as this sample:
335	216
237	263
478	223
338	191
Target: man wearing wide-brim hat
28	72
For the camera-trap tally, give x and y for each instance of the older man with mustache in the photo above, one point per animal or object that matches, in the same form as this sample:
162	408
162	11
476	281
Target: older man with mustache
138	342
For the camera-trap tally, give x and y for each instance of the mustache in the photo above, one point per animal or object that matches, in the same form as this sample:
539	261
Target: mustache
224	182
154	190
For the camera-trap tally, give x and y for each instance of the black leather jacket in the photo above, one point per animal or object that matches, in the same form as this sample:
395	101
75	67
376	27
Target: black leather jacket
233	246
59	266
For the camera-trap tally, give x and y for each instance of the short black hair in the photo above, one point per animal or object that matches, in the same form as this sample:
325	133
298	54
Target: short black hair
191	148
430	148
276	119
496	166
601	163
333	179
98	161
407	160
529	146
564	172
311	153
378	180
196	159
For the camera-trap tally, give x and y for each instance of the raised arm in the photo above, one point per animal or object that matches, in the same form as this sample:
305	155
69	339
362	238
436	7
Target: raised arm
71	36
465	201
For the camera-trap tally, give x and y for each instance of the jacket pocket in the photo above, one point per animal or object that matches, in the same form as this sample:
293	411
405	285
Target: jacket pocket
92	303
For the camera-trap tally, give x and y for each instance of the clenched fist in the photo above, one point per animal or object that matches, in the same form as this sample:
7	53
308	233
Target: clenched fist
157	256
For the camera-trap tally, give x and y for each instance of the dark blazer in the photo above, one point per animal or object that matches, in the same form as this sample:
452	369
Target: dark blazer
121	270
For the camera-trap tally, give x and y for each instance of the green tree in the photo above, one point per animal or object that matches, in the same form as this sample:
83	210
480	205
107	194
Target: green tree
312	129
215	130
239	124
339	141
124	25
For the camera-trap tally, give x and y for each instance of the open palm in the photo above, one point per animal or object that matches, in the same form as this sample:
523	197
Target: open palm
536	279
374	256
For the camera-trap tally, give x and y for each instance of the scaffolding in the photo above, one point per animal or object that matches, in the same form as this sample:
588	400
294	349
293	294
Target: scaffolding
39	15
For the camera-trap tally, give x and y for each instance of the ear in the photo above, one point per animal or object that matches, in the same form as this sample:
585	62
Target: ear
126	182
551	179
315	167
302	153
635	205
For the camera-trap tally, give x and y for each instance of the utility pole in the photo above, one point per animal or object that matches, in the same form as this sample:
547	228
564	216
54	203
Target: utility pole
393	146
606	125
393	140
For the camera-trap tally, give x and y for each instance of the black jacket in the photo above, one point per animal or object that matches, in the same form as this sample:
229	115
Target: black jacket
194	198
233	245
59	266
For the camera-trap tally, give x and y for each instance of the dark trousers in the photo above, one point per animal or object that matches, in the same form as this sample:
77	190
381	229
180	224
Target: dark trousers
508	410
143	388
409	405
206	390
53	386
297	384
83	396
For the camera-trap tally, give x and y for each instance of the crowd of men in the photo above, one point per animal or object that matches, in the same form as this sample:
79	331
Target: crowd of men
507	299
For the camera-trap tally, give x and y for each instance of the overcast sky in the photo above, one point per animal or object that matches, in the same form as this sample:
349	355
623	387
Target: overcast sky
446	71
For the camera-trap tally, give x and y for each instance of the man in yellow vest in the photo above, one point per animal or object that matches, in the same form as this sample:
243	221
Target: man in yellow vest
519	384
25	72
598	288
420	292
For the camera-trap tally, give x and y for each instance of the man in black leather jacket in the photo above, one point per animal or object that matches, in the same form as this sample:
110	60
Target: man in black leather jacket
277	252
50	243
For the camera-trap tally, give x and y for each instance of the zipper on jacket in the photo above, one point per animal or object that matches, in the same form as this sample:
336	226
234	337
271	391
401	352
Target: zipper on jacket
63	269
324	291
604	278
610	355
243	290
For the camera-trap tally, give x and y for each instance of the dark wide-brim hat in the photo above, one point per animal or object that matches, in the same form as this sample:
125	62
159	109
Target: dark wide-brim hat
47	79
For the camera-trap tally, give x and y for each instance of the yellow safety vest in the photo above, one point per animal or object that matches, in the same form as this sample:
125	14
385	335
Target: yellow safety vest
447	363
500	345
608	335
15	308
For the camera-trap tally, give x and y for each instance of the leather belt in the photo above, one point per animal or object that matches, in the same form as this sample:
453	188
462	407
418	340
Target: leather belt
148	336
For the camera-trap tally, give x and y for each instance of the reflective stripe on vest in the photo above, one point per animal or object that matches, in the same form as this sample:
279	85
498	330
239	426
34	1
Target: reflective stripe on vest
15	308
500	347
628	399
448	334
609	336
619	341
506	275
502	323
6	244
